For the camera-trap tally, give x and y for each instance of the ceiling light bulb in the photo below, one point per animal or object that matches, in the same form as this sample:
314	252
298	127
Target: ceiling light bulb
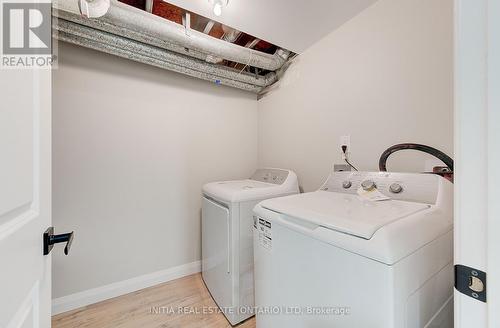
218	8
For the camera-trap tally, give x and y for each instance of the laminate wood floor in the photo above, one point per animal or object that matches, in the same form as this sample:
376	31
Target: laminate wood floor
184	303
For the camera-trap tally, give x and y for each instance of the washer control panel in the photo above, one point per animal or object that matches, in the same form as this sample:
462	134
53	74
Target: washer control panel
275	176
415	187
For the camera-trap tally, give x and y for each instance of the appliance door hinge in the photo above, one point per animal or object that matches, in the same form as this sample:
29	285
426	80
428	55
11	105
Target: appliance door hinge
471	282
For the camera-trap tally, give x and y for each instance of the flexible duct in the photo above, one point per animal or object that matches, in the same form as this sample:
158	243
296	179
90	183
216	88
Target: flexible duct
117	51
148	26
181	62
109	43
98	24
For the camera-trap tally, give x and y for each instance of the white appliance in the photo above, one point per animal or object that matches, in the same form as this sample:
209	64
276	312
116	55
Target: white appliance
227	242
332	258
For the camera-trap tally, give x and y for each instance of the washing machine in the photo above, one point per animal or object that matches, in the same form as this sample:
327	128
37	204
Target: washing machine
368	249
227	242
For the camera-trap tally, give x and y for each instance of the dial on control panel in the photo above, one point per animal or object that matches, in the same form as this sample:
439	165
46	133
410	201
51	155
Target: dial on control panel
346	184
368	185
395	188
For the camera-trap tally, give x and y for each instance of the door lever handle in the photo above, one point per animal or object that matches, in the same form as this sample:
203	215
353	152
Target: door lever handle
49	239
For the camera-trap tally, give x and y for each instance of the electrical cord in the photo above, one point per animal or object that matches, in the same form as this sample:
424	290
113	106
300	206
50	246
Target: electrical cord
344	150
348	163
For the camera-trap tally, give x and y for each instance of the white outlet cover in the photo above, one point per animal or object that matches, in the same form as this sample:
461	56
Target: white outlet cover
345	140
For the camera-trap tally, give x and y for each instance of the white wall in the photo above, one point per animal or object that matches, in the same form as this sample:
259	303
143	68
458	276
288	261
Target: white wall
132	146
384	77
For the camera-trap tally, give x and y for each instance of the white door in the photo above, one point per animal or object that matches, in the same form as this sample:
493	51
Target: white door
25	197
477	158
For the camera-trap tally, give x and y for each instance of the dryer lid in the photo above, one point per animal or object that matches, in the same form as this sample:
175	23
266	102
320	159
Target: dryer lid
243	190
346	213
264	183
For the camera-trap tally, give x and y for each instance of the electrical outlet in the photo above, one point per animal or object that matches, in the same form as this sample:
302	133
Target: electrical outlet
345	141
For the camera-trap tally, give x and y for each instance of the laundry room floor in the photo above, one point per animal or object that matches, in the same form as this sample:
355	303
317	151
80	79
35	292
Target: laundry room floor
178	303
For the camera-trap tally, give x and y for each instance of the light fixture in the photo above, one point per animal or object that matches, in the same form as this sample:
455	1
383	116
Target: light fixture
218	6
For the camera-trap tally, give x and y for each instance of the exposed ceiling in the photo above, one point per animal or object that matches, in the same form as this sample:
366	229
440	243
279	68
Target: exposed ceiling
292	24
248	47
160	34
215	29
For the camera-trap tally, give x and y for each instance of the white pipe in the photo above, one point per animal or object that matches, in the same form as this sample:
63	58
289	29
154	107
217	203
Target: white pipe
139	21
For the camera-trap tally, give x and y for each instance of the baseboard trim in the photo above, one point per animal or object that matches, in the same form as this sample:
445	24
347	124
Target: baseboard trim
94	295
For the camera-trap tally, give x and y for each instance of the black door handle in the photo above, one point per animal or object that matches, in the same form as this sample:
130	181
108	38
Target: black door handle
49	239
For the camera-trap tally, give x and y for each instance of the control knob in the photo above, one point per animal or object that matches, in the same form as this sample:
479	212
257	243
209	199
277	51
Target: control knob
368	185
395	188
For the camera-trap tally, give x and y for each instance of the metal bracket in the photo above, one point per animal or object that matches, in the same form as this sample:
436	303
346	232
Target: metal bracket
471	282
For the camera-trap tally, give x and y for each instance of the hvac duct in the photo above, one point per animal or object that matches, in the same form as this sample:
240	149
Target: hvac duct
123	47
146	26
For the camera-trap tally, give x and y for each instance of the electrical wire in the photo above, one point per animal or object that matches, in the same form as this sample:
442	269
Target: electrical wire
344	151
348	163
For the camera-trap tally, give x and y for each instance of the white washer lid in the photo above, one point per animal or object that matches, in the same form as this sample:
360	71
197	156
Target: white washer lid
347	213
